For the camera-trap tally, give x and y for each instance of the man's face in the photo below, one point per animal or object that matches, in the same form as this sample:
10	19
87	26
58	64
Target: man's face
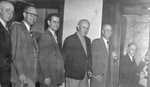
30	16
132	50
107	31
7	11
83	28
54	23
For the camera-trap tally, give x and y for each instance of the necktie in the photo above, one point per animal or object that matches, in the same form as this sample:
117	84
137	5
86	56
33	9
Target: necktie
133	60
108	43
55	37
7	28
108	46
31	33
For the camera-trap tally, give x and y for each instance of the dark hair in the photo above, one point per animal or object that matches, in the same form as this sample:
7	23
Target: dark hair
49	17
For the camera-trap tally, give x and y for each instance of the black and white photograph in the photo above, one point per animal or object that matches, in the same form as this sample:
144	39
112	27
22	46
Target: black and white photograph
74	43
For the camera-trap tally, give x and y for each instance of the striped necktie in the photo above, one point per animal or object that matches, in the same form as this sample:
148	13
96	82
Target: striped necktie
31	33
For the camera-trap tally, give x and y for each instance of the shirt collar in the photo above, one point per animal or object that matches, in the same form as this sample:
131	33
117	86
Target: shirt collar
3	23
79	35
130	57
51	31
28	27
104	40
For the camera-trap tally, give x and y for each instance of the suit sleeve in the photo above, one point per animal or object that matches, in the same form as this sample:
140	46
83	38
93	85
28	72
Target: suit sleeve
44	55
141	65
95	53
17	50
66	52
89	56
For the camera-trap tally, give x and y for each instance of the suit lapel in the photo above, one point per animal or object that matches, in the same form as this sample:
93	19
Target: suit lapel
104	46
129	60
54	43
2	28
30	40
87	45
52	37
80	44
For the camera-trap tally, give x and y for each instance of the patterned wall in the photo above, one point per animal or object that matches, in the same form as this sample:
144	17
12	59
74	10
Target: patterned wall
138	32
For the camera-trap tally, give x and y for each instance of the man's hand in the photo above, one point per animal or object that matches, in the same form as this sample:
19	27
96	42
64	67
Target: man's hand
89	74
47	81
22	78
99	78
114	55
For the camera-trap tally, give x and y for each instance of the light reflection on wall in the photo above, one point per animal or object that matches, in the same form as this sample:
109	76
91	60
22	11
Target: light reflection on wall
78	9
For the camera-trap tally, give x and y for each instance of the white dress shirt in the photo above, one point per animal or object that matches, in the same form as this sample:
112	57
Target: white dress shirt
106	44
131	58
4	24
28	27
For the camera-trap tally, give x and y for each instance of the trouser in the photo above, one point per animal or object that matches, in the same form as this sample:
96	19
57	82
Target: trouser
5	85
51	85
17	84
5	77
77	83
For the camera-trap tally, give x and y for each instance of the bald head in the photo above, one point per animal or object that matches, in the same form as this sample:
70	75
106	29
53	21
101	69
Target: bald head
83	27
30	15
107	31
132	49
6	11
83	21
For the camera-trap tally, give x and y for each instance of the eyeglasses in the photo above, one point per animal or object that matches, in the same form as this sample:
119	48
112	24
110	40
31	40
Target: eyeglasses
32	14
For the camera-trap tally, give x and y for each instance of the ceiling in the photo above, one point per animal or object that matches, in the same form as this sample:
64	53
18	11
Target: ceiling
143	2
41	3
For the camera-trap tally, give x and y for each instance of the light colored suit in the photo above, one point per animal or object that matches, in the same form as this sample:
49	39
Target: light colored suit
24	53
101	63
50	58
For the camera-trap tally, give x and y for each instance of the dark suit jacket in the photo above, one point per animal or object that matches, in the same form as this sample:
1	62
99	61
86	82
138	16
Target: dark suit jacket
101	63
24	53
128	71
5	55
50	58
75	58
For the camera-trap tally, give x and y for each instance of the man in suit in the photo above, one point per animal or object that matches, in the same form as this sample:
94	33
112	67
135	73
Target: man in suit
77	56
24	49
103	55
51	61
6	14
128	70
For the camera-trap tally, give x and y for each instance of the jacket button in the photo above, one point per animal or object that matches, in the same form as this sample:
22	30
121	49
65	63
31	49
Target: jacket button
103	65
103	74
